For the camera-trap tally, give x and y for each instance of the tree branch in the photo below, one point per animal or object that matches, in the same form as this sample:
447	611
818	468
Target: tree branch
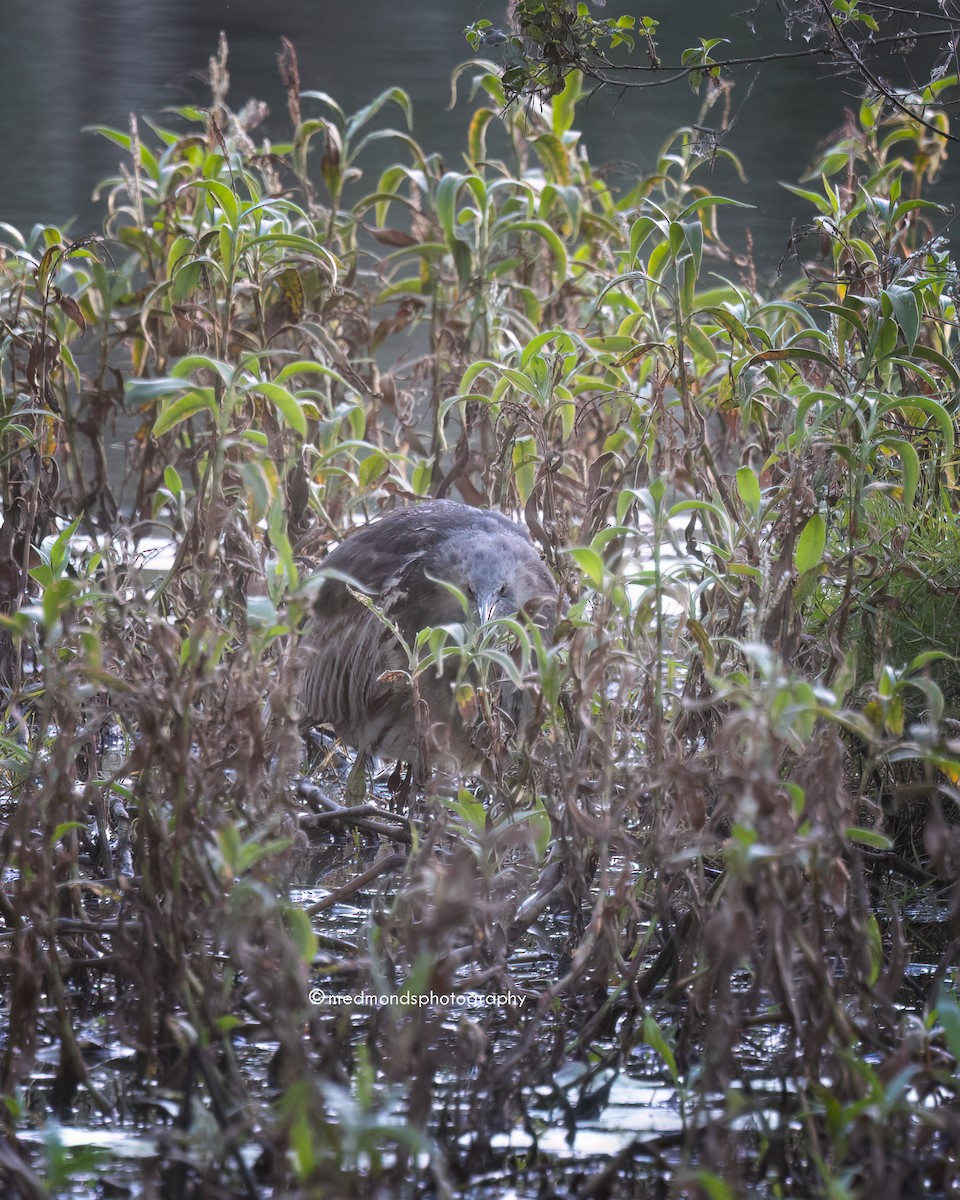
884	91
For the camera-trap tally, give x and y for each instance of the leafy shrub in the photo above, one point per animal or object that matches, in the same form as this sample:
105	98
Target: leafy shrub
729	481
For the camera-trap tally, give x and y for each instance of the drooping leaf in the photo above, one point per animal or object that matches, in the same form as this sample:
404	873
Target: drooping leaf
810	545
748	487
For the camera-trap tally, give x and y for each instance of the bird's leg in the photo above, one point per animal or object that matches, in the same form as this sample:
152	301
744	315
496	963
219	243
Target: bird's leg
356	791
395	786
399	784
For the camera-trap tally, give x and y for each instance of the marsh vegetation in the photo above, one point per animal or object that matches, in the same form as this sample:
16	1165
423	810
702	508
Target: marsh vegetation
697	935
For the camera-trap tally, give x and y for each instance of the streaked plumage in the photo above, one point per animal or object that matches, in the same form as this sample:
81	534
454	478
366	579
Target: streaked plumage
398	561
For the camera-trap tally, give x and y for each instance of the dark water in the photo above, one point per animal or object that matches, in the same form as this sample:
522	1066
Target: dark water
68	64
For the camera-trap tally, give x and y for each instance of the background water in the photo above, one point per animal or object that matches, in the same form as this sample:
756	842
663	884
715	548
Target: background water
67	64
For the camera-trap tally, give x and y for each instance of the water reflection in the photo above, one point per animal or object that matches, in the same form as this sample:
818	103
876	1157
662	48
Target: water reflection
96	63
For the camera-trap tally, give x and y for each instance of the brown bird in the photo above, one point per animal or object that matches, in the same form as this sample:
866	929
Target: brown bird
356	674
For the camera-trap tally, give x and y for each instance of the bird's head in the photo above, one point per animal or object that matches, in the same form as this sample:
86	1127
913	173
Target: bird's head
496	582
489	590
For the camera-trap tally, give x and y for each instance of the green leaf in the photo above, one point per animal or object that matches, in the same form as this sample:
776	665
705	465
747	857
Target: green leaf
262	612
703	202
698	341
303	936
543	230
227	201
308	367
875	949
552	153
113	135
810	546
229	841
930	656
640	230
469	808
590	563
287	404
258	488
63	829
182	410
815	199
935	410
371	468
61	547
715	1187
654	1038
476	135
184	367
906	312
145	391
395	95
935	357
846	314
524	459
564	105
693	234
445	202
910	467
868	837
421	476
733	325
172	481
793	354
749	488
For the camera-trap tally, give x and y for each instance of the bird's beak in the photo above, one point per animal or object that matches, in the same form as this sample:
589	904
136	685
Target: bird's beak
486	608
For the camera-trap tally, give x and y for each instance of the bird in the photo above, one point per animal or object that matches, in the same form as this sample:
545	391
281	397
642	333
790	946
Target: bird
413	566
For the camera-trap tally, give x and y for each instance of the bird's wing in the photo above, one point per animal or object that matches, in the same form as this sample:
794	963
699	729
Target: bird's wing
391	559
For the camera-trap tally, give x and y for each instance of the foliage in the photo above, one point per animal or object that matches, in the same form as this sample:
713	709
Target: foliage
550	40
741	769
